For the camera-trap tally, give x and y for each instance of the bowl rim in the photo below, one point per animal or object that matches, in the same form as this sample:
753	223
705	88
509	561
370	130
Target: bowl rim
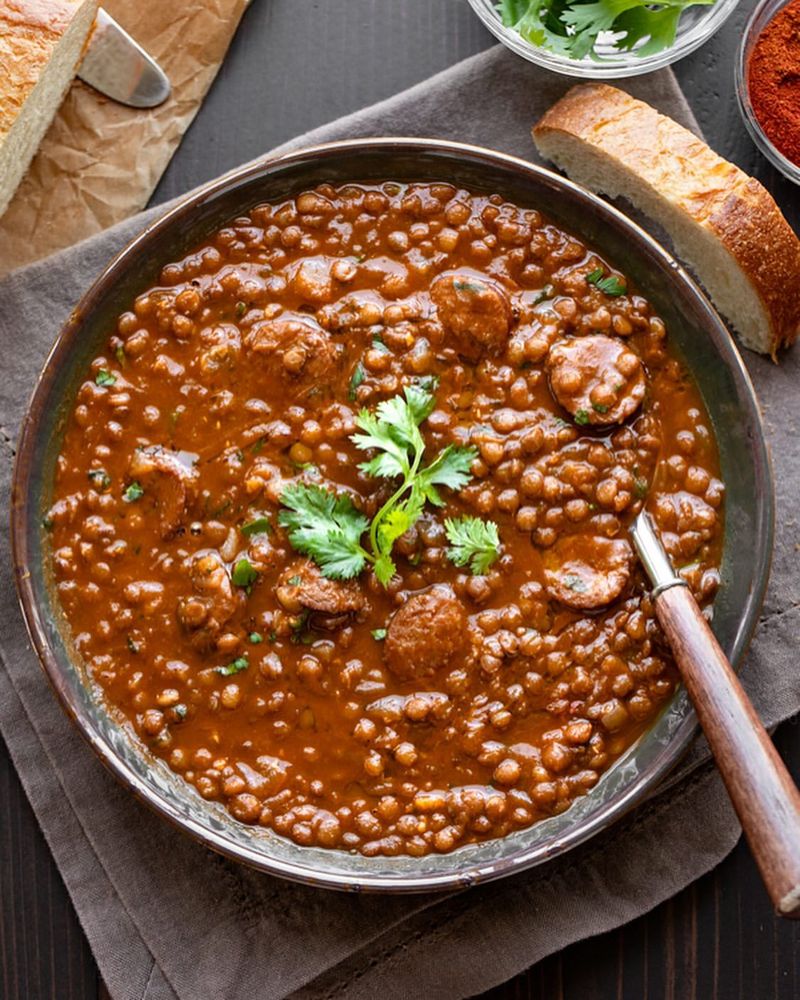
34	615
761	140
624	66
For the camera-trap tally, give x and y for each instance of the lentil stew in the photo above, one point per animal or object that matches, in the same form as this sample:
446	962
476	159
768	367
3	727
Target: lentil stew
510	656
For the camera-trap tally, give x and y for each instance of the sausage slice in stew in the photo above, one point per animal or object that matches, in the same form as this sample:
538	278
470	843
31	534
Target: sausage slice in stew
598	379
474	310
586	572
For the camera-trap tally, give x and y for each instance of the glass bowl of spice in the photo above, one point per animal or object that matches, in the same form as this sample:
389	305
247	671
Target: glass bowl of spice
768	83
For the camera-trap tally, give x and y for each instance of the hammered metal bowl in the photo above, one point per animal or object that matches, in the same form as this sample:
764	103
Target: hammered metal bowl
694	328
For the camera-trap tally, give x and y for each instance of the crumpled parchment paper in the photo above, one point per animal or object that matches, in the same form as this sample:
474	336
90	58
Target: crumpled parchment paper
100	161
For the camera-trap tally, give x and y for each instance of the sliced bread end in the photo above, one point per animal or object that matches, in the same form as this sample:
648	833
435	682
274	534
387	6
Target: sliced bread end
723	223
41	44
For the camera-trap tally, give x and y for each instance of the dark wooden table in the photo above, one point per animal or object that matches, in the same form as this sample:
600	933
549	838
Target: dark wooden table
296	64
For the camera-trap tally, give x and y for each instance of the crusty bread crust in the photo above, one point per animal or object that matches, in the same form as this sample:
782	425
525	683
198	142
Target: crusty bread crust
668	164
41	43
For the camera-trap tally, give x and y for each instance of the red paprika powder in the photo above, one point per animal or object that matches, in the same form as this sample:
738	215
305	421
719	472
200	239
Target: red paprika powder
773	77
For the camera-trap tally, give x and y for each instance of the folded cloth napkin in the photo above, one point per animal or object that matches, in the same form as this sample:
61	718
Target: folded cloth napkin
168	919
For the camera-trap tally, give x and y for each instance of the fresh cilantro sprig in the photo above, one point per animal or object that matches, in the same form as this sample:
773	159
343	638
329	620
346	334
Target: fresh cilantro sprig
392	431
328	528
473	542
572	27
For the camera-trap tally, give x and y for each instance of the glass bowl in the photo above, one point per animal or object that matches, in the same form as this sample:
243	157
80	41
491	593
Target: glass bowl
759	19
696	26
697	333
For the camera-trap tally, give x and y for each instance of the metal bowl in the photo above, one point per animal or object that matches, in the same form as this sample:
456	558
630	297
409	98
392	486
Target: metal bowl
694	328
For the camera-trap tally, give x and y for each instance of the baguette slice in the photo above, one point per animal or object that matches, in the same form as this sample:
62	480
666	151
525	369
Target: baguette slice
41	44
723	223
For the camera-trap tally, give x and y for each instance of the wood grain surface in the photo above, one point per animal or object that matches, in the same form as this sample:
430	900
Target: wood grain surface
765	797
296	64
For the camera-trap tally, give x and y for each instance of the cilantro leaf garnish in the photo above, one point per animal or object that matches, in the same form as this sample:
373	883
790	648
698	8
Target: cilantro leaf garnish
612	285
258	526
581	418
243	574
473	542
133	492
450	468
105	378
358	376
393	431
325	527
378	634
236	667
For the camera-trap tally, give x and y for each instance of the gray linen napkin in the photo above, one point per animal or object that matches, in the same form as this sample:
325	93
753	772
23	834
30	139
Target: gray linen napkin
167	918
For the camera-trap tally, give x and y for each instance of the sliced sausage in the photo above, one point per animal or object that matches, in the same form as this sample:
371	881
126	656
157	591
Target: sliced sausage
297	344
168	480
428	632
477	312
302	587
587	571
212	604
597	379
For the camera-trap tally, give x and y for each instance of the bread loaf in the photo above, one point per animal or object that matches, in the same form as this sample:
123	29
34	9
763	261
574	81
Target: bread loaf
41	43
723	223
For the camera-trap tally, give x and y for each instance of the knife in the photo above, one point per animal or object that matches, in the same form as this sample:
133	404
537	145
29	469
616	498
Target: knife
120	68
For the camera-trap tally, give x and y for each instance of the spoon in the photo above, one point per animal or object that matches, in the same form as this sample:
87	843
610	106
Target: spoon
762	791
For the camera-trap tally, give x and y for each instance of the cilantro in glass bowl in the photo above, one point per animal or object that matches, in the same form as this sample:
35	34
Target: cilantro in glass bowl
603	38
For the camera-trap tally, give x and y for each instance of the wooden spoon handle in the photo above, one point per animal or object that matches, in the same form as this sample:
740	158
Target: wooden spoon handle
761	789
